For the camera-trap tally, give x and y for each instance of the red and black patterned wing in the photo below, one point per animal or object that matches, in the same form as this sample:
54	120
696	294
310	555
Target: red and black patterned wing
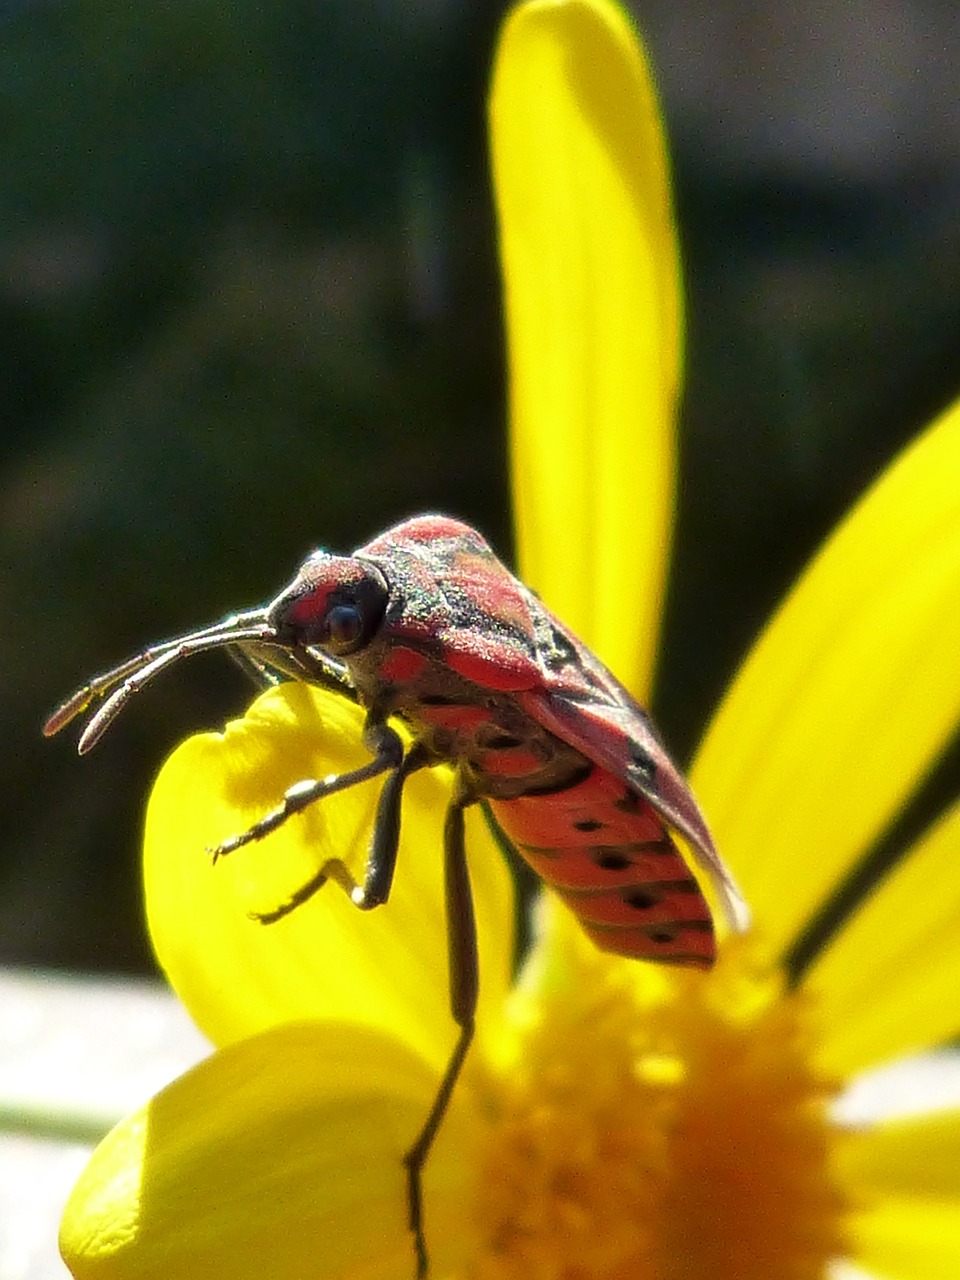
606	844
620	739
608	854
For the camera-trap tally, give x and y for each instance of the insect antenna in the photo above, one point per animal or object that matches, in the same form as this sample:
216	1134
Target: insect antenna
137	671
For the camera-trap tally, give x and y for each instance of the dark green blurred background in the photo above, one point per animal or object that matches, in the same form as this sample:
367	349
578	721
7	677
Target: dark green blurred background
249	305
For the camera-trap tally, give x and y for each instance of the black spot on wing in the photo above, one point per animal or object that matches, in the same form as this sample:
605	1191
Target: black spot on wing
629	802
642	763
610	859
560	650
664	933
650	895
617	857
642	899
587	824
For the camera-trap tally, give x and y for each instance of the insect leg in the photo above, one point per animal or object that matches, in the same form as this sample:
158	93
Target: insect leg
270	664
464	986
388	748
256	669
381	861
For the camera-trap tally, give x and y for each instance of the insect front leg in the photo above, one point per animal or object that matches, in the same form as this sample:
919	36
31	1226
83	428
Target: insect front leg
387	747
268	665
381	860
464	988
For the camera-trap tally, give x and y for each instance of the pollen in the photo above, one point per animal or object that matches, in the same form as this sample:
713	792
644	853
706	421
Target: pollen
668	1128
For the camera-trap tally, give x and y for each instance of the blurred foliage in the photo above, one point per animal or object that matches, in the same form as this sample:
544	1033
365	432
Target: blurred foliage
249	305
236	323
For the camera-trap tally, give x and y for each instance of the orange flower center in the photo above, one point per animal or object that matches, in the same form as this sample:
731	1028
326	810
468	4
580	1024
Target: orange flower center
668	1128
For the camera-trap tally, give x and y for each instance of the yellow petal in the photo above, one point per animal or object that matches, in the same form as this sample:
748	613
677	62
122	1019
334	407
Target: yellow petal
914	1157
848	695
592	298
909	1239
888	984
387	967
280	1156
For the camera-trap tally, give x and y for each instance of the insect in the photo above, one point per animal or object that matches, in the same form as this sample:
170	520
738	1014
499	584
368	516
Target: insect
425	623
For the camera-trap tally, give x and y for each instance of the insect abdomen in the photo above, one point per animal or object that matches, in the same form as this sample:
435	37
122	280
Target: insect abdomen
606	852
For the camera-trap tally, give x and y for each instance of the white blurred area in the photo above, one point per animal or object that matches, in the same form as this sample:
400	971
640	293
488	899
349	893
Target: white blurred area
76	1055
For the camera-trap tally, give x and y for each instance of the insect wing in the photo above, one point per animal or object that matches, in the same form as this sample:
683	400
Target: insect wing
607	853
618	737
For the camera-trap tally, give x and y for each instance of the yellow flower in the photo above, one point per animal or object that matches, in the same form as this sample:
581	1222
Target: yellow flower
614	1119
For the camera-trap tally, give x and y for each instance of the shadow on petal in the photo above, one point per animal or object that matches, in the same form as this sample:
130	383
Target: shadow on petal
280	1156
385	968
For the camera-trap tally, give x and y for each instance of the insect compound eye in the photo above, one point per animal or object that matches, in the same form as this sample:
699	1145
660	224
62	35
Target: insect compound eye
344	628
335	602
354	611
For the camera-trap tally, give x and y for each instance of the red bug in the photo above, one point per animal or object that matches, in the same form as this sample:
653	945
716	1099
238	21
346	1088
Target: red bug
425	623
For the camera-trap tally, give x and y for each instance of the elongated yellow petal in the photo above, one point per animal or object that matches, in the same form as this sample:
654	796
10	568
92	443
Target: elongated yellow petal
914	1157
385	968
592	300
889	983
909	1239
280	1156
848	695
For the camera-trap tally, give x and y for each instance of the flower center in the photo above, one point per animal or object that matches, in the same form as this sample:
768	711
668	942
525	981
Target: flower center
662	1127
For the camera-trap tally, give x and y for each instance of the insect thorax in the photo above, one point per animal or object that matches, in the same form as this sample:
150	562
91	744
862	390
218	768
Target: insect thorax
502	752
